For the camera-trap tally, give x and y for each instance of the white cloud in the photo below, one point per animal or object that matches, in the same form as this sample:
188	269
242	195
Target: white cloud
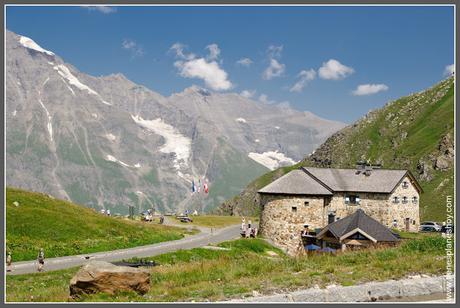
304	77
248	93
335	70
135	49
244	62
368	89
101	8
275	69
214	51
263	98
206	69
449	70
178	48
274	51
214	77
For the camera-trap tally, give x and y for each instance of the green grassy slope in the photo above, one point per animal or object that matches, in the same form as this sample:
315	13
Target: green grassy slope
415	132
63	228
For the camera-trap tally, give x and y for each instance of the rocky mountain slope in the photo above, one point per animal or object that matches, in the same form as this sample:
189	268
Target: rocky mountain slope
108	142
415	132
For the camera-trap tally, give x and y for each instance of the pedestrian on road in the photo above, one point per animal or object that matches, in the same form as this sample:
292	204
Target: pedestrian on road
41	259
8	262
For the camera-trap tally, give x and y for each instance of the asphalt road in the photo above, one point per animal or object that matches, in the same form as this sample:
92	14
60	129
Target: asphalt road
205	237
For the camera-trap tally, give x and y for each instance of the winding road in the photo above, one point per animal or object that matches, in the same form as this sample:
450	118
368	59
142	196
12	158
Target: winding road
205	237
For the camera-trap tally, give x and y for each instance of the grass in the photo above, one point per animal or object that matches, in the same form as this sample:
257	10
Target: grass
215	221
250	264
63	228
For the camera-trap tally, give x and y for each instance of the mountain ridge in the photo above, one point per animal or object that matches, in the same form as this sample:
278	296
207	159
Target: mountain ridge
109	142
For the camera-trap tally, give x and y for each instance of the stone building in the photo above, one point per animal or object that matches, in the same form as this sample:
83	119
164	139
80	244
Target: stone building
320	196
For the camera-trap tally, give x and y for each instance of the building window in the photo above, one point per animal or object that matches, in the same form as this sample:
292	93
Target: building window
405	184
404	199
294	208
413	222
414	199
395	199
352	199
306	203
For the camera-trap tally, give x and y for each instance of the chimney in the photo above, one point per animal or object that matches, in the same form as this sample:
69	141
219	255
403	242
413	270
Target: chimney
360	166
368	170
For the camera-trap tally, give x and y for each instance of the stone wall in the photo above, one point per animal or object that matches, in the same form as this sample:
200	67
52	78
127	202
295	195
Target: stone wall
283	225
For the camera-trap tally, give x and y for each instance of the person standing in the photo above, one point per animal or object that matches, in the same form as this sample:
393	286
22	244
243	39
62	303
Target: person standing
8	262
41	259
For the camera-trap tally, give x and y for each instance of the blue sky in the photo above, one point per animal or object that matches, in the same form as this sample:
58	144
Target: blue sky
337	62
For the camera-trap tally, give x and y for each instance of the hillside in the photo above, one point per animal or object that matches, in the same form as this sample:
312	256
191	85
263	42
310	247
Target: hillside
415	132
63	228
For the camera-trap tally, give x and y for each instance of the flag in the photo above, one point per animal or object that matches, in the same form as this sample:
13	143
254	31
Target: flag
206	188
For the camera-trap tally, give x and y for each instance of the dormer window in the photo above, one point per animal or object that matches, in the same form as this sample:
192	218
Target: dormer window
405	184
306	203
414	199
404	199
352	199
395	199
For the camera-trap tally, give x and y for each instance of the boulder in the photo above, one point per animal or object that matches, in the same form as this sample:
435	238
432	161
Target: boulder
99	276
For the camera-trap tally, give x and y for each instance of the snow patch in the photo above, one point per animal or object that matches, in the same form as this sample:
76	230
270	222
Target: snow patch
94	115
70	89
175	143
65	73
257	140
111	137
241	120
277	127
115	160
49	125
272	159
29	43
14	113
138	165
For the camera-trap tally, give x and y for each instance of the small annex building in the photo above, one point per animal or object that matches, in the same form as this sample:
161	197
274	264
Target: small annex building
357	230
320	196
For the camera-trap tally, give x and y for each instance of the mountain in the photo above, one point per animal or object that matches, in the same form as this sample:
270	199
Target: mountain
415	132
107	142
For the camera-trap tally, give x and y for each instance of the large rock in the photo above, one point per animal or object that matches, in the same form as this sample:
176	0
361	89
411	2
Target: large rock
99	276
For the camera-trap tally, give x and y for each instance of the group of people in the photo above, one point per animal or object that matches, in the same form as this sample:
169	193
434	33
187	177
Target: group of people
40	260
248	230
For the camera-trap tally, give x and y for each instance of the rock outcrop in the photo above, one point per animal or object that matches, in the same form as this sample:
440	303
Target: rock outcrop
99	276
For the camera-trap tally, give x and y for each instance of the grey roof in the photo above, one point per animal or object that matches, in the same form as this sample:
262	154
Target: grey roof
365	223
296	182
379	180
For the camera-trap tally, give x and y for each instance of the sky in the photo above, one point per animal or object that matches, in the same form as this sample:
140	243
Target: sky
338	62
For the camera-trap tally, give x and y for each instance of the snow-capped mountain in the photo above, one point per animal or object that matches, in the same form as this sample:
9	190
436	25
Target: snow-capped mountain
108	142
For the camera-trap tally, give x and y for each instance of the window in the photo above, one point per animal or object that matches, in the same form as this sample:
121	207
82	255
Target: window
404	199
414	199
405	184
352	199
306	203
395	199
294	208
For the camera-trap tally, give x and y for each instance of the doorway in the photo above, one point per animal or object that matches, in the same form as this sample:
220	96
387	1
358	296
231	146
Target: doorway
407	223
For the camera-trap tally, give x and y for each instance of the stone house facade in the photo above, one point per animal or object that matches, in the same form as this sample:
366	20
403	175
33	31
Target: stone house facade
320	196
